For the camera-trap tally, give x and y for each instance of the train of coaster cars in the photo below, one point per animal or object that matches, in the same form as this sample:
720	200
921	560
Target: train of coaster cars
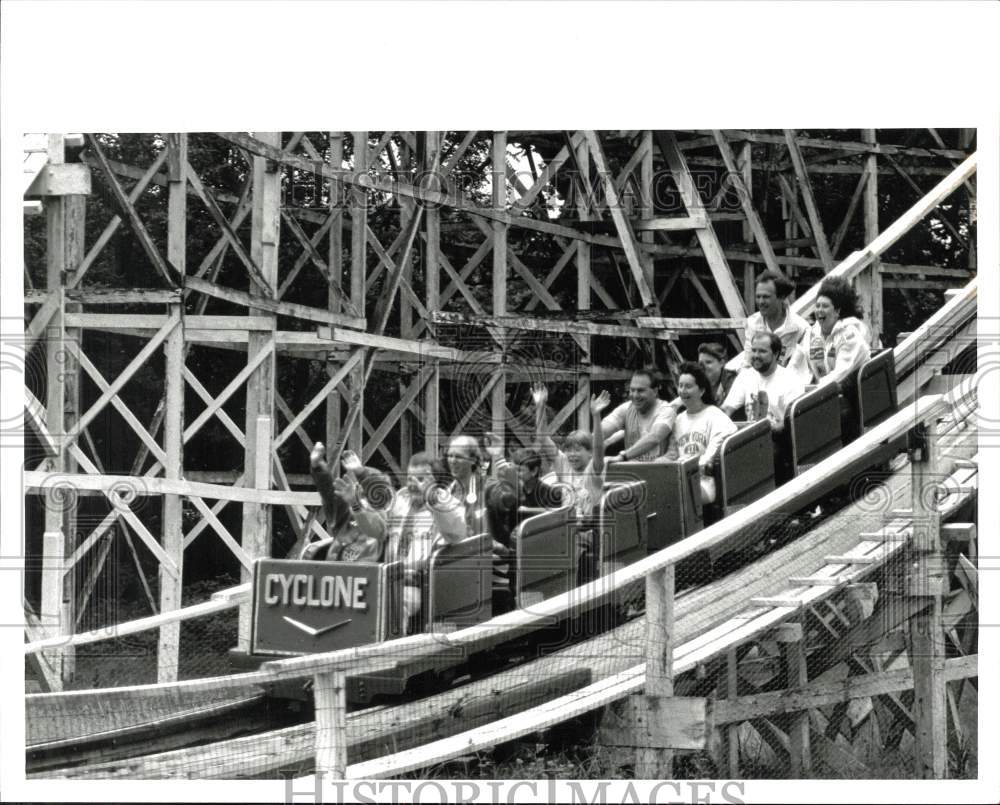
304	606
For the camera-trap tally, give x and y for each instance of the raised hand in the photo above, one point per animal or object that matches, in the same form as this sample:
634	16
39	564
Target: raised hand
349	461
539	393
346	490
317	458
493	444
598	402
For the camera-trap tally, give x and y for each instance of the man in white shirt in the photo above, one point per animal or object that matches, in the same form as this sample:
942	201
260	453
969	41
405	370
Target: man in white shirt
646	419
773	315
766	387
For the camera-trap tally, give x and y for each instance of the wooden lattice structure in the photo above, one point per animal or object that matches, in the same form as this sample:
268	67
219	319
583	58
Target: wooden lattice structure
608	247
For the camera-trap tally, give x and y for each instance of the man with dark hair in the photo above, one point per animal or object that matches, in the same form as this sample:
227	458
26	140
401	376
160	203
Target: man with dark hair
646	419
771	294
765	388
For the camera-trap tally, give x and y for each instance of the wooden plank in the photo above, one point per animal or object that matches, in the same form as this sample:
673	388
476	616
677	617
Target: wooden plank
422	350
680	722
60	180
668	224
331	727
279	308
694	323
549	325
821	694
133	627
851	560
819	142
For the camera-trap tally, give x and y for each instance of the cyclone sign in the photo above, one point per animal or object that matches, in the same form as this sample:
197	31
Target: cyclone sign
306	607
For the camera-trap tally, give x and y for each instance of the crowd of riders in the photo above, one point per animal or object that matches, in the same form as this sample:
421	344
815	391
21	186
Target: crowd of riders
475	488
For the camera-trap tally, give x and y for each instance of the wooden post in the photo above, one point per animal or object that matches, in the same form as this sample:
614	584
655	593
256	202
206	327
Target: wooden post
359	275
869	281
265	231
171	587
792	640
498	397
335	260
732	730
746	171
583	283
652	763
432	273
406	212
927	647
331	724
57	587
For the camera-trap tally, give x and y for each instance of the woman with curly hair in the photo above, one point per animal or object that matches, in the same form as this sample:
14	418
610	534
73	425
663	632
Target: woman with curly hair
837	343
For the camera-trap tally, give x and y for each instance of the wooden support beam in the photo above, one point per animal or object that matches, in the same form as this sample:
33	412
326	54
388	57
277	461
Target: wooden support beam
169	272
273	306
358	209
707	238
432	289
927	649
498	399
584	280
793	649
869	282
330	691
735	178
73	280
265	230
652	764
812	209
528	323
643	282
822	694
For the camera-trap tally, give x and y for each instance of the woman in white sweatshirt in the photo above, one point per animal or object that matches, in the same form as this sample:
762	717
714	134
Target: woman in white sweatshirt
701	427
837	343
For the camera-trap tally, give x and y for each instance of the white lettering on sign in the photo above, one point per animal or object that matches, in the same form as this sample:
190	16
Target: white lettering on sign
308	591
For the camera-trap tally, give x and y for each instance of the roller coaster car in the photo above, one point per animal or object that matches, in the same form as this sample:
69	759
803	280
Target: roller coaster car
307	607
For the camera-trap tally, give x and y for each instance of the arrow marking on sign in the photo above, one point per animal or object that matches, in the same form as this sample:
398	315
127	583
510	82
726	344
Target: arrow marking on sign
312	631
